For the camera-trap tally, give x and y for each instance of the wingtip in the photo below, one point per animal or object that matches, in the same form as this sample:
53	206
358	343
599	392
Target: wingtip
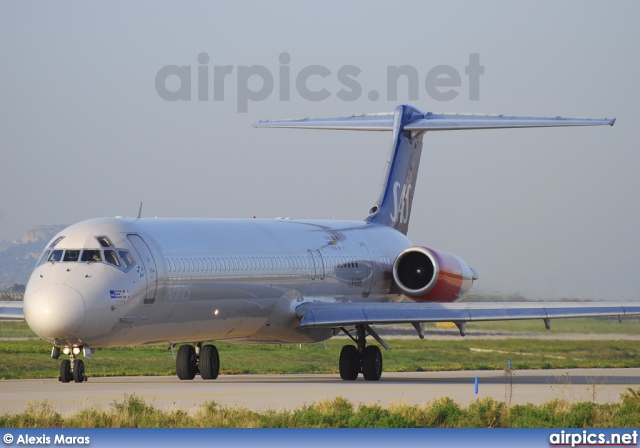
613	122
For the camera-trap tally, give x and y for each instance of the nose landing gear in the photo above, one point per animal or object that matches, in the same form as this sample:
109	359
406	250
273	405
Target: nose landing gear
70	369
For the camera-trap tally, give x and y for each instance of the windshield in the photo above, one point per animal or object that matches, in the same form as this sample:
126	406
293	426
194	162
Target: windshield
107	254
56	255
91	255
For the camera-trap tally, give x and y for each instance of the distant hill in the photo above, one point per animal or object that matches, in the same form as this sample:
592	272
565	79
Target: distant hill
18	258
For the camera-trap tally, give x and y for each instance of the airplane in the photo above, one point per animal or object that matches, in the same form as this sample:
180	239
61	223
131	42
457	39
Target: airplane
116	282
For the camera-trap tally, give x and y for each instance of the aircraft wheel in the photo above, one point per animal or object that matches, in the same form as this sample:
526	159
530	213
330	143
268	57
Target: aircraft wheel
372	363
349	362
65	371
186	362
78	371
209	362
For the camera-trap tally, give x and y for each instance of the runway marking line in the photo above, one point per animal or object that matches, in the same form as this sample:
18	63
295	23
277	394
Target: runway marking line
486	350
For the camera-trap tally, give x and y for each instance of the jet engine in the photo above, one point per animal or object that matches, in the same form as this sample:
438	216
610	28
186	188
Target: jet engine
429	275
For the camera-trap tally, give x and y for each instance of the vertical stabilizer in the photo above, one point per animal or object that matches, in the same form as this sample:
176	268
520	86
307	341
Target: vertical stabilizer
393	207
408	125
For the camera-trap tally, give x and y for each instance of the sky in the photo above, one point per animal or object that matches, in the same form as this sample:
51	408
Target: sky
105	105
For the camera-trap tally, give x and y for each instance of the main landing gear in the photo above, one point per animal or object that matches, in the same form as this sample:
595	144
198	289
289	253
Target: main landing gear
360	358
202	359
70	369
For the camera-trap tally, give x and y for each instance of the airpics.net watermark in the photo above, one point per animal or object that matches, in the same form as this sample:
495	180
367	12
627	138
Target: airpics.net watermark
255	83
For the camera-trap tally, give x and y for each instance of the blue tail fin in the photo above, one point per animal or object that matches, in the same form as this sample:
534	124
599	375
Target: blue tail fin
393	207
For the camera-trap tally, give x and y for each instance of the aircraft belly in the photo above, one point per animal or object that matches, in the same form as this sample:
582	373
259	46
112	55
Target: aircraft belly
202	320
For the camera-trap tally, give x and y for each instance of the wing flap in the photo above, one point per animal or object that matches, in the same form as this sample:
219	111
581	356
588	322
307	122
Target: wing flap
11	311
341	314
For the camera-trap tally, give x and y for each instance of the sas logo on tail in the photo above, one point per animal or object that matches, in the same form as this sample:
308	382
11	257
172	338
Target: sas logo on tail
401	203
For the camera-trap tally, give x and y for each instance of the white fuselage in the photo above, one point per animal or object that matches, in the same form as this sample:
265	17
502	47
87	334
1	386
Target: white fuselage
203	279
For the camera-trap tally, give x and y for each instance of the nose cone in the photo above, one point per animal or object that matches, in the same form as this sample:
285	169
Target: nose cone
54	311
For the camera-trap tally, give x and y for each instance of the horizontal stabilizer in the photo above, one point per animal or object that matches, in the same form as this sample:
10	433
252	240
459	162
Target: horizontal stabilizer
365	122
408	126
12	311
340	314
431	122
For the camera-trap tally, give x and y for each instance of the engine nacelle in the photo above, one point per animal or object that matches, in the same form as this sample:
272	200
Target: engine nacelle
429	275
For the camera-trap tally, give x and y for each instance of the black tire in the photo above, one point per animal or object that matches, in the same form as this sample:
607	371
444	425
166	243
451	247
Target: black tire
209	362
78	371
65	371
372	363
186	363
349	363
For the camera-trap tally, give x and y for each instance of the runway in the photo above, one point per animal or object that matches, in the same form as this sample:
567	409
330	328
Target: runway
279	392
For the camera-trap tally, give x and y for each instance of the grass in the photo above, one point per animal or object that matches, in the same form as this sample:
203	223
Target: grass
31	358
15	330
604	325
134	412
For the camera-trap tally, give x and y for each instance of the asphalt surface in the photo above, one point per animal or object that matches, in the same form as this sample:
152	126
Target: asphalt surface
279	392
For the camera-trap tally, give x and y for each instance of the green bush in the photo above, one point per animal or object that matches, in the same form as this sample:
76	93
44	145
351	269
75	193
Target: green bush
134	412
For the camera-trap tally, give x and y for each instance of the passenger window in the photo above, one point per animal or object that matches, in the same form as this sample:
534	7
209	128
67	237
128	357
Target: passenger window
104	241
127	259
71	255
56	255
91	256
111	257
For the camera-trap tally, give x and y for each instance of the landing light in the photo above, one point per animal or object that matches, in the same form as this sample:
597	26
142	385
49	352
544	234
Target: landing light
66	350
76	350
215	313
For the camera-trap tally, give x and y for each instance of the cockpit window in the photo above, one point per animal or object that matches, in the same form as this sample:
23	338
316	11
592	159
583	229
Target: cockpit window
56	241
104	241
71	255
127	259
44	258
118	258
91	255
111	257
56	255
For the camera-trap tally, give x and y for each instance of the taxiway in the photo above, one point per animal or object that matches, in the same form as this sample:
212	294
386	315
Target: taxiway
278	392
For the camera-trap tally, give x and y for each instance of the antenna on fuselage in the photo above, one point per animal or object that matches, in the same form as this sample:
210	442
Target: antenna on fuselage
140	211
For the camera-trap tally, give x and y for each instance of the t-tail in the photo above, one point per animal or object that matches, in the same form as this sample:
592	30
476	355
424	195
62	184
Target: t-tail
408	126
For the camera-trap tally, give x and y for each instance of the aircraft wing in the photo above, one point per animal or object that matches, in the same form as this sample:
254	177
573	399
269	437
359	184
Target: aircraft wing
344	314
11	311
431	121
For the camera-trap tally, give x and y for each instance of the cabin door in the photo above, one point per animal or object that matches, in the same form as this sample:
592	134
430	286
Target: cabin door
147	267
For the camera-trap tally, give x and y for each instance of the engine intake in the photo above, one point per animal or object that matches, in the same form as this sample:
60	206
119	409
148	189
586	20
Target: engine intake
429	275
